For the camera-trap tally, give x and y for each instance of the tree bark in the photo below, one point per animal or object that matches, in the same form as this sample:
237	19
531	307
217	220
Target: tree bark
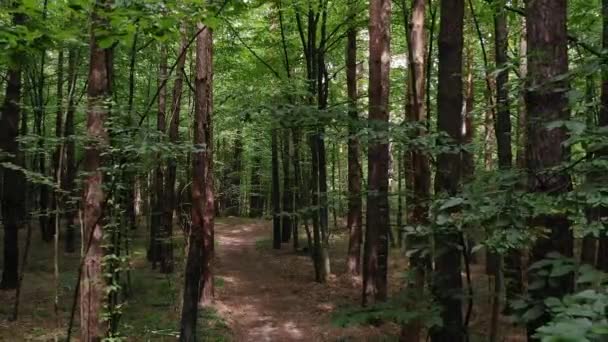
204	86
547	101
197	290
275	191
602	253
286	218
58	134
70	151
13	194
156	228
420	167
447	278
375	255
171	174
354	221
92	285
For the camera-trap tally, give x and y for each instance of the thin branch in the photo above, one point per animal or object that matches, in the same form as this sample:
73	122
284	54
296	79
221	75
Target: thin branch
268	66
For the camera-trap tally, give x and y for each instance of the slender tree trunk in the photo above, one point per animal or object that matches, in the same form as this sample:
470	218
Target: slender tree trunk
58	134
170	204
547	101
92	285
200	240
156	229
286	218
354	217
602	255
275	192
256	197
297	194
204	86
420	167
13	195
375	255
447	278
70	151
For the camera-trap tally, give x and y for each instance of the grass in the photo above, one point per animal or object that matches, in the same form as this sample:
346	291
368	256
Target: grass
151	313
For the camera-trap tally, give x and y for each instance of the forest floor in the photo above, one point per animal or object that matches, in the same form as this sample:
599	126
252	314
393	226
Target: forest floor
262	294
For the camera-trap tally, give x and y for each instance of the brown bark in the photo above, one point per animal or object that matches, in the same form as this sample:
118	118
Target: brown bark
287	208
602	255
58	135
156	228
375	255
13	194
420	167
275	191
204	100
447	279
197	287
92	285
547	101
170	202
256	196
354	217
70	151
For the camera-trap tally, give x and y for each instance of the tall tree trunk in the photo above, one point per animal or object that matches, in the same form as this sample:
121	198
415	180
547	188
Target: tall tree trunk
58	135
200	239
503	129
420	167
92	285
13	194
602	255
170	203
547	101
275	191
375	255
233	175
447	279
204	87
256	197
287	210
156	229
354	220
70	151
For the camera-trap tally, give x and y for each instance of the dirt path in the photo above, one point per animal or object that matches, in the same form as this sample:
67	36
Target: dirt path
255	297
270	295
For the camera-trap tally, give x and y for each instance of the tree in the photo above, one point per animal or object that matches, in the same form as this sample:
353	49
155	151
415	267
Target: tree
170	197
375	255
92	287
354	217
420	168
197	262
13	194
547	101
447	279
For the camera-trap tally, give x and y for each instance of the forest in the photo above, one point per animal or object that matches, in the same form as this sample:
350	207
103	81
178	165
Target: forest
304	170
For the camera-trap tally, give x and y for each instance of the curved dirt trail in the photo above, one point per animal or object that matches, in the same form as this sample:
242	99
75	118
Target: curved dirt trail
255	298
270	295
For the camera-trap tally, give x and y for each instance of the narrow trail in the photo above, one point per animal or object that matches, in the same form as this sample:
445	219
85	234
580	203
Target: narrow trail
270	295
255	298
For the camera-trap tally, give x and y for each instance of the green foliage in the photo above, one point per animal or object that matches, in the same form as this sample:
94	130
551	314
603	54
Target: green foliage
406	307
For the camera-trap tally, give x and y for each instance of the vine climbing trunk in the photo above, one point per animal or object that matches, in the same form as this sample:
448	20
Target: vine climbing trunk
375	254
92	285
